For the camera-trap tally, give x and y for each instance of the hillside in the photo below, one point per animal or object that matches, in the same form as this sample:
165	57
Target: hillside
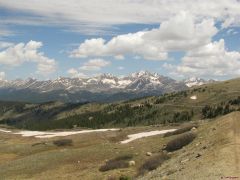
213	154
206	101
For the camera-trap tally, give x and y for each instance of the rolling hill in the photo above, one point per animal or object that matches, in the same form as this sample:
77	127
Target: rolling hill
202	102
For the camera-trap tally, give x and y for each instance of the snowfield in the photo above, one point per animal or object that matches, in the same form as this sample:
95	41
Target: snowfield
42	134
133	137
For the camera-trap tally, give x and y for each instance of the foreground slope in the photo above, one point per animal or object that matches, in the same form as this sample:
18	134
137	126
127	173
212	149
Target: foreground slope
215	154
212	155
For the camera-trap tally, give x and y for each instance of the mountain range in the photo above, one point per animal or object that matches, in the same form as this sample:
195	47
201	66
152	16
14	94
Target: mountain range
102	88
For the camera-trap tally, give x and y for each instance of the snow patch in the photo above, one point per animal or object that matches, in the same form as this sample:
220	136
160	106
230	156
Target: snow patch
193	97
43	134
133	137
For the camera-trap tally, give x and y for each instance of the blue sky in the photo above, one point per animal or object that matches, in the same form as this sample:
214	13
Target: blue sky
48	39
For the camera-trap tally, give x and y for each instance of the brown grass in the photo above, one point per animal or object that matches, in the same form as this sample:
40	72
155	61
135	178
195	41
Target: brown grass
152	163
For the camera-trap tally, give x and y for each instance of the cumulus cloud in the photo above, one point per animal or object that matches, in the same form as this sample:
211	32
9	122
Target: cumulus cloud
212	60
153	44
94	65
18	54
2	75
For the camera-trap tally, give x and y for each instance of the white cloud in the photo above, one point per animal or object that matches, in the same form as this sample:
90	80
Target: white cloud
18	54
4	31
212	60
2	75
76	74
93	15
153	44
95	65
4	44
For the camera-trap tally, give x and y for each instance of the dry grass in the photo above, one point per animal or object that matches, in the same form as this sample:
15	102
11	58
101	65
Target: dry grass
152	163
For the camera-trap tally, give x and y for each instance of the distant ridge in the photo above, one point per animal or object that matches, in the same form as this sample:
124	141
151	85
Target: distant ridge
102	88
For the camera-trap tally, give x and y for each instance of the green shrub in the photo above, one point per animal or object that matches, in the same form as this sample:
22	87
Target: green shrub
180	141
116	163
63	142
152	163
123	177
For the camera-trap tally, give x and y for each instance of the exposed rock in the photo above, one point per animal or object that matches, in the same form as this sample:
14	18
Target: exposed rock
198	155
131	163
194	129
185	160
149	154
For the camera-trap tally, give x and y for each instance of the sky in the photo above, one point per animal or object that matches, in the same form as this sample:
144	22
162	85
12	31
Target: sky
77	38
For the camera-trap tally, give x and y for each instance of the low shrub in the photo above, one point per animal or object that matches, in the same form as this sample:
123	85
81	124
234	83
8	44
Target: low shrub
180	131
152	163
122	177
116	163
180	141
63	142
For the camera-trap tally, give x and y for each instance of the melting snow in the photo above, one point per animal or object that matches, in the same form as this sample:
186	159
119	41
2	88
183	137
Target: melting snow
133	137
42	134
193	97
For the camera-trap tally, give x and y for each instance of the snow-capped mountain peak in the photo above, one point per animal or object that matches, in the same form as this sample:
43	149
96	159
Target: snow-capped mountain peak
196	81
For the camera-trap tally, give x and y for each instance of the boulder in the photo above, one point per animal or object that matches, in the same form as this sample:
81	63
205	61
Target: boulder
131	163
149	154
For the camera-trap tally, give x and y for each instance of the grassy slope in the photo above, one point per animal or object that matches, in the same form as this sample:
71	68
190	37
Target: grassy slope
218	144
20	160
152	110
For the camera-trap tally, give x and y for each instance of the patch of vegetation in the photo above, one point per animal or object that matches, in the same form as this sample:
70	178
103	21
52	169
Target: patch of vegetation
152	163
180	141
180	131
116	163
123	177
63	142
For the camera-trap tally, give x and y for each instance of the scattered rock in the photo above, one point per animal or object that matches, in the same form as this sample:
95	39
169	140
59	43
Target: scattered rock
169	153
214	129
185	160
204	147
149	154
131	163
198	155
194	129
78	162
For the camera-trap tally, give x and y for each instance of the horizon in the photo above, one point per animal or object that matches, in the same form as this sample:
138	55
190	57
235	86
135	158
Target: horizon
110	74
47	40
